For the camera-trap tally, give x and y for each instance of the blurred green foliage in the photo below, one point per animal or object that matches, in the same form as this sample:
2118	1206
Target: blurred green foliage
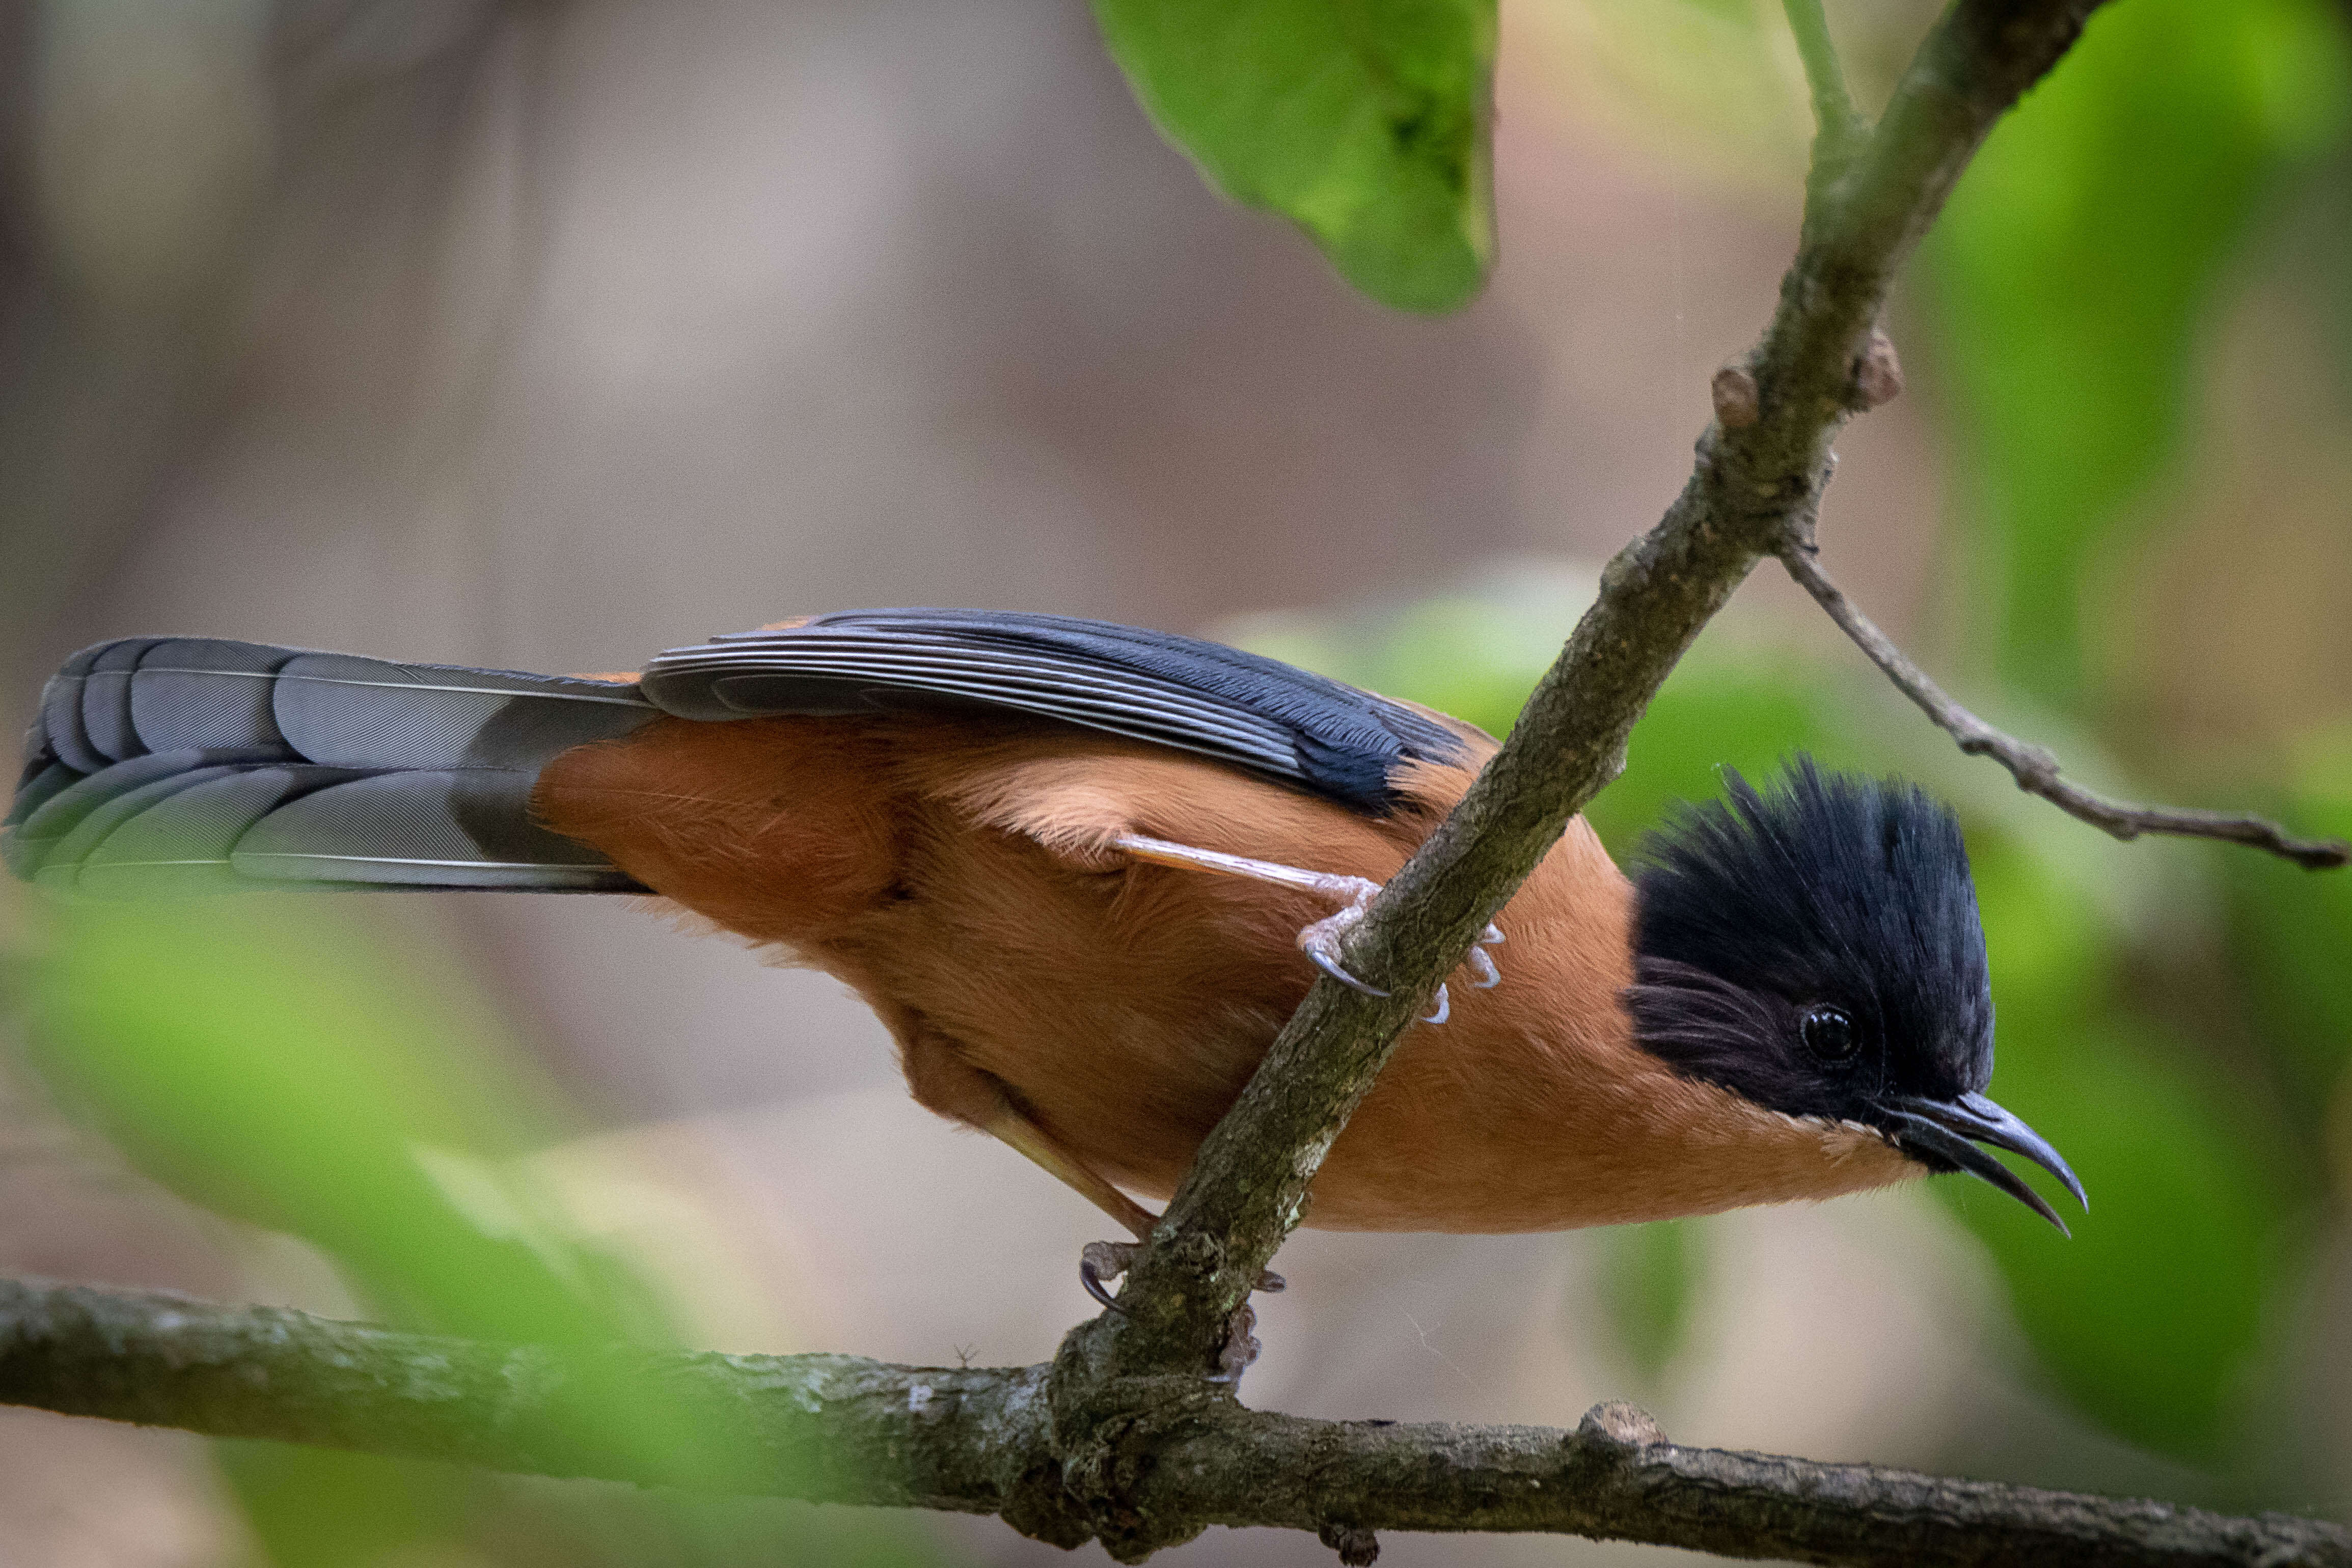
2293	937
2073	277
1648	1282
2149	1318
1368	122
274	1058
275	1068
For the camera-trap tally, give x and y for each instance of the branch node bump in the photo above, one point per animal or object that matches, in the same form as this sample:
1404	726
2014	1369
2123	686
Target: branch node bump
1877	372
1739	402
1620	1422
2036	767
1357	1548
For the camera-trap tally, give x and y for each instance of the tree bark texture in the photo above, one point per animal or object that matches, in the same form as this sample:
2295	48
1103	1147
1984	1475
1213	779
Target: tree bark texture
836	1428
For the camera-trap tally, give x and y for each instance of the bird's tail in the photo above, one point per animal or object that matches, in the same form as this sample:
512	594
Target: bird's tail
185	763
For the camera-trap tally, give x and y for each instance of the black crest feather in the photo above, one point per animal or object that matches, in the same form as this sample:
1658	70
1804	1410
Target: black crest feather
1831	889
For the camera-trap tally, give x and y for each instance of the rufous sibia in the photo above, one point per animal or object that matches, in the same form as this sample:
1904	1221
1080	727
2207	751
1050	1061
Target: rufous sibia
1084	871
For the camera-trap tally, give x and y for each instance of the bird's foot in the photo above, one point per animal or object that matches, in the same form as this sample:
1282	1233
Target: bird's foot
1320	943
1103	1261
1240	1346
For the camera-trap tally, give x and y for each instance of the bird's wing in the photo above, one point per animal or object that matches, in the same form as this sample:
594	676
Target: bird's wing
1180	691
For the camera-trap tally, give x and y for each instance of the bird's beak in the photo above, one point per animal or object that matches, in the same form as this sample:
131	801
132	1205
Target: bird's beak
1944	1128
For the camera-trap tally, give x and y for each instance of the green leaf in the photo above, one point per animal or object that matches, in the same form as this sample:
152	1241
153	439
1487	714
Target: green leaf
2077	262
316	1508
1368	122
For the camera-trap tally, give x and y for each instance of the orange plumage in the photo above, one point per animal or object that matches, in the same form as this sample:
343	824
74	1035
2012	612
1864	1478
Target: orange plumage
954	873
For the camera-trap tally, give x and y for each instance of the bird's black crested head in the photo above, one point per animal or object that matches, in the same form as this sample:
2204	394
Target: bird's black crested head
1815	948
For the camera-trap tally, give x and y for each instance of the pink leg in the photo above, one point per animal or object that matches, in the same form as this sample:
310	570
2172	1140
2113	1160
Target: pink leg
1320	941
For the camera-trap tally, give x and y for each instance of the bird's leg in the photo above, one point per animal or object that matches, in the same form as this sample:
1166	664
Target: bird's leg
1320	941
1021	1134
1101	1261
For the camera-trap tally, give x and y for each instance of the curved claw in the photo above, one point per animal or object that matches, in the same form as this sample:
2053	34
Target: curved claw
1483	965
1101	1261
1107	1260
1092	1282
1331	966
1492	937
1445	1008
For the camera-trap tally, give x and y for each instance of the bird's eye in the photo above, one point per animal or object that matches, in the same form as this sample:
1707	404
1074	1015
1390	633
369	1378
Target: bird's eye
1828	1032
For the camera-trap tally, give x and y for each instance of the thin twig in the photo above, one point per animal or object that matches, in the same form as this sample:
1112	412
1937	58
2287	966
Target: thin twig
1835	118
2035	768
840	1429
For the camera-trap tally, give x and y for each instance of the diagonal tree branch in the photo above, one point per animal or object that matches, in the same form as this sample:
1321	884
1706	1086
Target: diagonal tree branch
833	1428
1760	471
2035	766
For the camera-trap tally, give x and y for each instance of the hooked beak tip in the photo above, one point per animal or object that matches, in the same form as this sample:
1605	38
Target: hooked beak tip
1951	1130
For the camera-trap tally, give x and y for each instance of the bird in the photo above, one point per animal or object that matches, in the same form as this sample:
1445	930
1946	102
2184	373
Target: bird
1084	871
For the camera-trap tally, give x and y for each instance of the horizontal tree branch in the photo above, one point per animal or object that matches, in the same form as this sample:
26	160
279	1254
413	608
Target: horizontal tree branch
2035	768
834	1428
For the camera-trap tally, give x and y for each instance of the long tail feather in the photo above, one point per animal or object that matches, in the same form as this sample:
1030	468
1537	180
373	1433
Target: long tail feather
191	764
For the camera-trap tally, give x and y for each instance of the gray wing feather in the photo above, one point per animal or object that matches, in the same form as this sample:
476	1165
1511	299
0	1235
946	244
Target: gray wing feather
183	841
165	764
1171	722
47	817
1127	694
105	718
44	782
454	827
1178	692
353	712
59	728
61	866
199	692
